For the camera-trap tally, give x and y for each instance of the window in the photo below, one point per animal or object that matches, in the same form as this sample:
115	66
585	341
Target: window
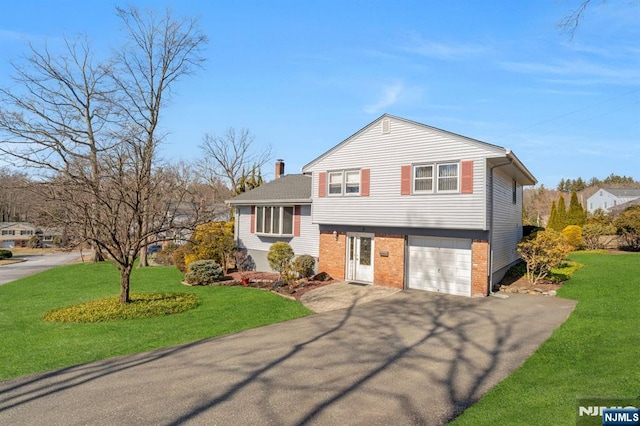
423	179
448	177
274	220
8	232
352	182
26	232
335	183
346	182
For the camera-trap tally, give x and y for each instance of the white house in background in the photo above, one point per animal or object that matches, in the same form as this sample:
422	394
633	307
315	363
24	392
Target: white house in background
608	198
399	204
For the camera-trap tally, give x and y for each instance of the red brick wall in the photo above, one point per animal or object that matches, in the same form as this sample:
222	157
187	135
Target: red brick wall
479	268
389	271
332	254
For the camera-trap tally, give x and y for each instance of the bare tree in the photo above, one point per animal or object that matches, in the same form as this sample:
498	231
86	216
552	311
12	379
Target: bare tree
226	157
159	51
90	128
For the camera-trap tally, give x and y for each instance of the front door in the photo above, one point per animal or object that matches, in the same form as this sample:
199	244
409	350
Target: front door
360	257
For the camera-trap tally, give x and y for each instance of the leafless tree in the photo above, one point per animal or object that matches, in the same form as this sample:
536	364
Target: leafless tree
225	157
15	202
160	50
91	129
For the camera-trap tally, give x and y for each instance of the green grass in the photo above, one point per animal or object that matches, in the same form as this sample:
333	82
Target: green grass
28	344
594	353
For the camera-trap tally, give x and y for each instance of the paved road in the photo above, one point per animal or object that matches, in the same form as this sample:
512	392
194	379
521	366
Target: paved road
410	358
34	263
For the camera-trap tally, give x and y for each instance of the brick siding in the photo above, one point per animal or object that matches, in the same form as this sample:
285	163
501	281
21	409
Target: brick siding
389	270
479	268
332	254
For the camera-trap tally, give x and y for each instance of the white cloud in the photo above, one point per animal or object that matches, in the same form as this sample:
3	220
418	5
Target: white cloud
441	50
388	96
577	70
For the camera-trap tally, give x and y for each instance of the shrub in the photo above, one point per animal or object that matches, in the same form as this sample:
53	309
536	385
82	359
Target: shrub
628	226
542	252
213	240
593	233
279	256
178	257
165	256
204	272
573	235
5	254
304	265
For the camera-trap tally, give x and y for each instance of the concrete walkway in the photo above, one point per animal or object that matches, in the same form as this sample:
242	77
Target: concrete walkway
410	358
342	295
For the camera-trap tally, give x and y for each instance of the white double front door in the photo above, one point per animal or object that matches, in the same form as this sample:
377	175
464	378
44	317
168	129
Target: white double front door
360	257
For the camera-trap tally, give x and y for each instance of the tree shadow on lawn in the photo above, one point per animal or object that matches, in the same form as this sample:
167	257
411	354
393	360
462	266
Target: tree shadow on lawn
411	358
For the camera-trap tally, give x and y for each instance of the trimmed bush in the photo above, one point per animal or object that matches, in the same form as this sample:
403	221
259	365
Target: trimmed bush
593	233
628	227
5	254
279	256
573	235
204	272
304	265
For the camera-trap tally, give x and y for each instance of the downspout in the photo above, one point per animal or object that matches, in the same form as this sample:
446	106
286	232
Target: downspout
491	199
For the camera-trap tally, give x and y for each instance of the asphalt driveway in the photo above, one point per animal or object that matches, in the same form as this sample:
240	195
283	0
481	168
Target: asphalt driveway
410	358
35	263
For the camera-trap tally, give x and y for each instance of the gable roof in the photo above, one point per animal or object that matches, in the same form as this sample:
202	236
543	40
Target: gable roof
620	192
287	189
523	171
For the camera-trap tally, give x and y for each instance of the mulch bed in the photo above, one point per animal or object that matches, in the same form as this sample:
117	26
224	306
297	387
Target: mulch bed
269	281
510	284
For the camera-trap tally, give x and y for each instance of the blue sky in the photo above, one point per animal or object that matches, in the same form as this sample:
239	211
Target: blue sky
305	75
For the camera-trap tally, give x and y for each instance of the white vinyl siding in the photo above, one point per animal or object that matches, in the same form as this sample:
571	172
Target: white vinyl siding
385	155
307	243
507	222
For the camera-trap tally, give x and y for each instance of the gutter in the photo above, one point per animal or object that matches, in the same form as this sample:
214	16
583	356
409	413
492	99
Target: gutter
288	202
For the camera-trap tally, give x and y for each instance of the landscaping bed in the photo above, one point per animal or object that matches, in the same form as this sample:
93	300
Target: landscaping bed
270	281
515	281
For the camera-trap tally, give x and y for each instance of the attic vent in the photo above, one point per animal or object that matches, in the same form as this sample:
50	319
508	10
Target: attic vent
386	126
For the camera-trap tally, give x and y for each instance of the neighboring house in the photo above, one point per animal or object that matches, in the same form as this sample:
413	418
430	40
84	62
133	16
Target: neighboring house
622	207
16	234
407	205
279	210
608	198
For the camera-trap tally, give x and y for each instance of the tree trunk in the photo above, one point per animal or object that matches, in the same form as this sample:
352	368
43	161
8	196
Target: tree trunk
97	255
125	276
143	257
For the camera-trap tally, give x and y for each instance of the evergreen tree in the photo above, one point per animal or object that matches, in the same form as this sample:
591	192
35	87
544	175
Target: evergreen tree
561	211
561	185
576	214
553	218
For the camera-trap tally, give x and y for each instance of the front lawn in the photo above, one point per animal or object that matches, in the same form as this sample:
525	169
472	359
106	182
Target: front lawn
594	353
28	344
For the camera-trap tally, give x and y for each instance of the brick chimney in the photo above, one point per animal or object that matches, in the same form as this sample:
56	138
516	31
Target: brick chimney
279	168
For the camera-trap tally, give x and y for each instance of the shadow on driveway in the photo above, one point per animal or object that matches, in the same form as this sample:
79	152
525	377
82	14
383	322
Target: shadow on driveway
411	358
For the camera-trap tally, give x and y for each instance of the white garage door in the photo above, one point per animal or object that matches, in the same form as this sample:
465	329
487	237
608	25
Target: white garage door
440	264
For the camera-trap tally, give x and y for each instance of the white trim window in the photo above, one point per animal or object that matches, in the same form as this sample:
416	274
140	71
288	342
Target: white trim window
423	178
335	183
274	220
448	177
352	182
344	182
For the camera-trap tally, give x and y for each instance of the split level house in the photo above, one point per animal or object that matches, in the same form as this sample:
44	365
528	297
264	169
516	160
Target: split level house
398	204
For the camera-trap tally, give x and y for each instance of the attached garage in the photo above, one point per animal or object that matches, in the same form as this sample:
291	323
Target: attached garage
440	264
